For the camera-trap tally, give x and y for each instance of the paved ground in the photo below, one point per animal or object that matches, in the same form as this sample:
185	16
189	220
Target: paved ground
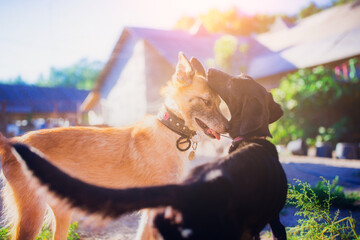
304	168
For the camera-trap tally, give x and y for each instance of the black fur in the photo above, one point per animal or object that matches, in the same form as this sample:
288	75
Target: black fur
231	198
247	192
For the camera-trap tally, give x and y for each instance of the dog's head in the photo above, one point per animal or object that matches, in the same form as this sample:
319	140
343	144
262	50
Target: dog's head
194	100
252	108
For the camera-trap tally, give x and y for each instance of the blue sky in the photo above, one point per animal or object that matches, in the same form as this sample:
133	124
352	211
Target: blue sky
38	34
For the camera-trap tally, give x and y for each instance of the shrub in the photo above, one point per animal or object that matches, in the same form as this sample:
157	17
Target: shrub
45	233
317	221
317	107
4	234
72	234
339	199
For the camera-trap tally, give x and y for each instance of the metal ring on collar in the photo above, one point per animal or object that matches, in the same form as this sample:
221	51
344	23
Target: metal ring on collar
183	140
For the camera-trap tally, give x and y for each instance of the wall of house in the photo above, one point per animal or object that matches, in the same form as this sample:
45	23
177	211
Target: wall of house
123	96
158	73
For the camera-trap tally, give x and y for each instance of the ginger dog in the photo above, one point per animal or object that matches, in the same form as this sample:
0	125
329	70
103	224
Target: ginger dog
142	154
231	198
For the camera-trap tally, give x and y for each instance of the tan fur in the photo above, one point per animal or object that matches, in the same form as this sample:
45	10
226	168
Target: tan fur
140	154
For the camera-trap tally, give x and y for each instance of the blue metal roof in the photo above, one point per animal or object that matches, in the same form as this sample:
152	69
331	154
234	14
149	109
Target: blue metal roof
170	43
32	99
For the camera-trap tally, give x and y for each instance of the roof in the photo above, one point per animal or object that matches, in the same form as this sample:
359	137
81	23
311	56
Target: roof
326	37
32	99
331	22
169	43
322	38
280	24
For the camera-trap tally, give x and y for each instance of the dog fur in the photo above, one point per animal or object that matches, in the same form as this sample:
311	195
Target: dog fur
141	154
231	198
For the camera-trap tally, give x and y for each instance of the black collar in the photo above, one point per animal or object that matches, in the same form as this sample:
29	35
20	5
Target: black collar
177	125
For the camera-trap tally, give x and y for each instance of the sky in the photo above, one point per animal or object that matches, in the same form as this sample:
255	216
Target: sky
38	34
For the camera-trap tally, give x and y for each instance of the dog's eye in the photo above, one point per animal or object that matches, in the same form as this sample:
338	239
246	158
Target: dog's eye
207	102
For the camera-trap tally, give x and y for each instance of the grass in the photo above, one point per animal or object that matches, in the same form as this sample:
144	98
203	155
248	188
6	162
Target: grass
314	207
45	233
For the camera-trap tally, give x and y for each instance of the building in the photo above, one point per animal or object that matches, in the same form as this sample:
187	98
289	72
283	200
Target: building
23	102
143	60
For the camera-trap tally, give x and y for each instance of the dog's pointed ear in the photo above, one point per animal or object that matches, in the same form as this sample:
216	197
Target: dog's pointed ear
184	71
198	67
254	118
275	111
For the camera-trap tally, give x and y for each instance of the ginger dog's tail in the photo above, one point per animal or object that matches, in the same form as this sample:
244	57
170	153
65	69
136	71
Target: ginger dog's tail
104	201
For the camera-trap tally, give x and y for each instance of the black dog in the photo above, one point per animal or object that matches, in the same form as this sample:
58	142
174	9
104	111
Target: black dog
231	198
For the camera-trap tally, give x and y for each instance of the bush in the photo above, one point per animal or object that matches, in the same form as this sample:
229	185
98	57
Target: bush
317	221
339	199
72	234
4	234
45	233
317	107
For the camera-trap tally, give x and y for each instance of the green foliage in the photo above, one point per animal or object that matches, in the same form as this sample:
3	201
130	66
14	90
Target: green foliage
230	55
311	9
339	199
72	234
18	80
82	75
316	106
341	2
230	21
224	50
4	234
317	221
185	23
45	233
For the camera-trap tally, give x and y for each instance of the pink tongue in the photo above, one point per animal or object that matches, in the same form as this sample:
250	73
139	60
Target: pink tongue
214	133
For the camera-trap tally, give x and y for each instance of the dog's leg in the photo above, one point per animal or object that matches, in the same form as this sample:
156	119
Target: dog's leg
256	237
143	231
31	216
169	223
30	206
63	220
278	230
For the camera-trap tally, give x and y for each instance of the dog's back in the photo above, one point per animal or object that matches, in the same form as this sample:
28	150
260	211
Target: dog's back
261	181
235	196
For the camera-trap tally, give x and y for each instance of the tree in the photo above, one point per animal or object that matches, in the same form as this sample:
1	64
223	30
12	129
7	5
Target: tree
231	21
81	75
18	80
341	2
311	9
185	23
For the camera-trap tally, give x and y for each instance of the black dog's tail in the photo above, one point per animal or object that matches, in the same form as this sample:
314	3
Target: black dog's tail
104	201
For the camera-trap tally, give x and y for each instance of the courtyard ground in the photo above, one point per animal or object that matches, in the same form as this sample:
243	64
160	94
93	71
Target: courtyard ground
307	169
